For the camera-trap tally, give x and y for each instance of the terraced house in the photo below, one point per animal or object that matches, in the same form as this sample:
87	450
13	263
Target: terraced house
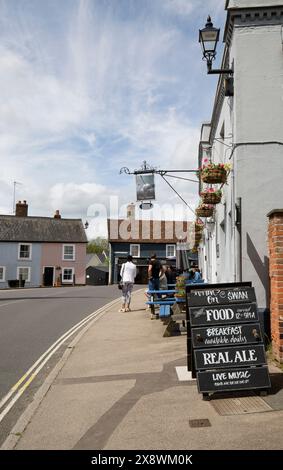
42	251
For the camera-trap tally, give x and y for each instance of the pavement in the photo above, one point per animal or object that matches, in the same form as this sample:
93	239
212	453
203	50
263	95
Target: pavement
120	386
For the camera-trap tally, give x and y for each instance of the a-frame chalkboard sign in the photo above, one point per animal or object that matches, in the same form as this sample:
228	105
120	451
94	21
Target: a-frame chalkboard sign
225	346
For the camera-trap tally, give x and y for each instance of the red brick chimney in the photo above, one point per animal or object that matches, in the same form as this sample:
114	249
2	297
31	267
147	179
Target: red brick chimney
57	215
21	209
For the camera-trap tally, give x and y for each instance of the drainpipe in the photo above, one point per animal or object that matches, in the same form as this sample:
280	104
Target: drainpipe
234	229
110	264
238	224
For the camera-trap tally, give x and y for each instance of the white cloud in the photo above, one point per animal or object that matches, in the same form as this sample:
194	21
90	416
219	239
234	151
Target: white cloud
89	89
179	7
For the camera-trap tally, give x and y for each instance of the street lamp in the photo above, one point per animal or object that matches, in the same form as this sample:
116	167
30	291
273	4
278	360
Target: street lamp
208	38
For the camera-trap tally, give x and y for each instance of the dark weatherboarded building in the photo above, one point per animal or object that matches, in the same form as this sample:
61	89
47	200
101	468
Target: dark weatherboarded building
142	238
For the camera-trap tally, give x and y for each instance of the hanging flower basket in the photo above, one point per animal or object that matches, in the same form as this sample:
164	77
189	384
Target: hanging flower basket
204	210
198	237
210	196
198	226
214	173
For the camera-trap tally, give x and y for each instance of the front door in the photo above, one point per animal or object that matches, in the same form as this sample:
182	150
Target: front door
48	276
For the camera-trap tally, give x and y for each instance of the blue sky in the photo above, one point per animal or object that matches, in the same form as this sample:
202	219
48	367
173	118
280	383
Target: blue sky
90	86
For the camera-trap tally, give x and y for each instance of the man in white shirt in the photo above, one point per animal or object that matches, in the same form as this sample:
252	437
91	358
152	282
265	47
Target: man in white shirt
128	274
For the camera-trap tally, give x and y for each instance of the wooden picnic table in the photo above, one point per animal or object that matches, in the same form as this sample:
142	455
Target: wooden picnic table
164	298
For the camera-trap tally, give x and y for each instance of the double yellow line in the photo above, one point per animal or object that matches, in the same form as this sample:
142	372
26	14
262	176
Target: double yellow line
18	389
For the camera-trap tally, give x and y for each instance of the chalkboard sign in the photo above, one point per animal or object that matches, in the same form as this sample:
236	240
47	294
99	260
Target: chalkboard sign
246	378
226	335
225	341
253	355
222	296
207	315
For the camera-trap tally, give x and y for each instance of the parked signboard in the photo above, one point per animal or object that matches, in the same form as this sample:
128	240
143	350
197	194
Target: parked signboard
220	335
246	378
219	314
253	355
225	338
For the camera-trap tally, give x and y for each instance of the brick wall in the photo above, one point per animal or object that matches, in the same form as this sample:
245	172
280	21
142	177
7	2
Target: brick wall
275	237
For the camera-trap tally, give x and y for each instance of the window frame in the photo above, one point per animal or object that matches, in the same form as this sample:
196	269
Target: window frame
29	272
139	250
167	251
3	279
68	281
74	252
19	251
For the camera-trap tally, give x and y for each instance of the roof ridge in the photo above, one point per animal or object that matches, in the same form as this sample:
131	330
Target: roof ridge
35	217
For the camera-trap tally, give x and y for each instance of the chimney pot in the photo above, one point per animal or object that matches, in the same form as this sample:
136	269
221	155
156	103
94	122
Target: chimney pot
57	214
131	209
21	209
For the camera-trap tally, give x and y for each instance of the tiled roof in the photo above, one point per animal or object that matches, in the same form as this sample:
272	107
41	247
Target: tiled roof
151	231
41	229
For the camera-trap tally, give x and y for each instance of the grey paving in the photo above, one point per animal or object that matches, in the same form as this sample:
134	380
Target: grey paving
117	388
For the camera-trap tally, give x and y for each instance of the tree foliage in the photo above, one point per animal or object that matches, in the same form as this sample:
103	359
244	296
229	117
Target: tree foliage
98	245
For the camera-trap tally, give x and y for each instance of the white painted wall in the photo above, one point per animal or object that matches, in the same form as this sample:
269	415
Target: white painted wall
258	83
255	114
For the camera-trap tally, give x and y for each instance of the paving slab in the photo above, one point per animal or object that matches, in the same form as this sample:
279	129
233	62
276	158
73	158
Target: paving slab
118	388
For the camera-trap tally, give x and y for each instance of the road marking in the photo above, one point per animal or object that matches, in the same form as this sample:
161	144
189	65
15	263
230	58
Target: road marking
45	357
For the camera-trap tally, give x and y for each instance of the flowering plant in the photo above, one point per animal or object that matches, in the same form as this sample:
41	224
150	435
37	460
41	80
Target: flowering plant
217	192
199	225
204	210
205	206
211	196
214	172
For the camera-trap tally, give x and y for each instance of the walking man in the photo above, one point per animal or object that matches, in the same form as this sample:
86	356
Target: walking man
154	271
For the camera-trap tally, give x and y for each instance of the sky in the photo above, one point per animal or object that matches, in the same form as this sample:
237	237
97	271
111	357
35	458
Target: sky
91	86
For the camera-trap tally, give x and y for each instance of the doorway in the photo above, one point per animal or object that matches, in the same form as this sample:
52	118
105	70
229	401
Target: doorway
48	276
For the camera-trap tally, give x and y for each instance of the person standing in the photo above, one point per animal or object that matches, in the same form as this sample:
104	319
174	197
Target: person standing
154	271
197	275
163	284
128	274
171	275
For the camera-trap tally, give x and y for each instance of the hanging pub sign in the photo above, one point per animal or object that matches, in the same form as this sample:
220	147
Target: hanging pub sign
146	205
145	187
225	341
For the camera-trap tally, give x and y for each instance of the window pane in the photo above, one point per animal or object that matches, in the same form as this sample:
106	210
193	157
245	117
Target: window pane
24	251
1	273
24	273
135	250
67	275
171	251
68	252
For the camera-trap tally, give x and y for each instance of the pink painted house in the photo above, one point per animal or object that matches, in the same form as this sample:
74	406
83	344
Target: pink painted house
63	252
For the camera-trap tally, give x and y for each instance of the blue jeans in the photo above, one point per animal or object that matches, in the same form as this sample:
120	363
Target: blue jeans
153	283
